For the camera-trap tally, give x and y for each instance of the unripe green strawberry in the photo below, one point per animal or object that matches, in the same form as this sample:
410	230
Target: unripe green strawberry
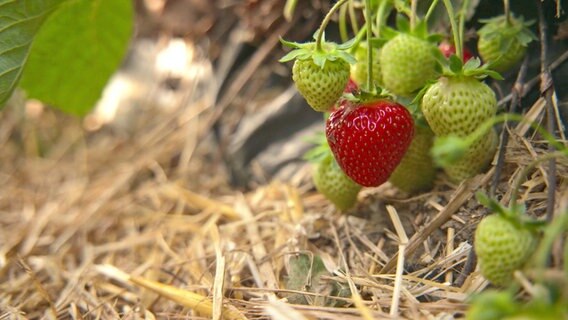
338	188
502	246
321	86
416	171
407	63
503	42
359	69
476	159
458	105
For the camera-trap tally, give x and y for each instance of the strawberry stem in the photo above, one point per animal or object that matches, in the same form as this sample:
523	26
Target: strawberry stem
325	22
413	16
353	17
368	85
358	38
461	25
455	29
380	19
430	10
507	10
343	24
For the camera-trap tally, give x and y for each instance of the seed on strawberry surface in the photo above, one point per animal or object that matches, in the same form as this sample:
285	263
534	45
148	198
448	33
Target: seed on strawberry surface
369	139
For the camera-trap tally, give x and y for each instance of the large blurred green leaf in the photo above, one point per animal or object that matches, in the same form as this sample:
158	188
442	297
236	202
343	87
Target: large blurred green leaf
19	22
76	51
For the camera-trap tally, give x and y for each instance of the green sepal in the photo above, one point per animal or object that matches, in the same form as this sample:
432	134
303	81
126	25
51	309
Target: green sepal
363	95
455	63
330	52
453	66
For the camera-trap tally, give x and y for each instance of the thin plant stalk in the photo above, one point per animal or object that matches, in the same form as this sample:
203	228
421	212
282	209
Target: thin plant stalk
325	22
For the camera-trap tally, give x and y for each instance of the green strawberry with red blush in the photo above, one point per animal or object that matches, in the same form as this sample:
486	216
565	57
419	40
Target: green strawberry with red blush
320	74
369	138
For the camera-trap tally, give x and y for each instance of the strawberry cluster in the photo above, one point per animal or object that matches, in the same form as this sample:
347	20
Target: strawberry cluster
390	96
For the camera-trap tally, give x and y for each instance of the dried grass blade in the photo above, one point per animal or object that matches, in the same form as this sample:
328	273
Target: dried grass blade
197	302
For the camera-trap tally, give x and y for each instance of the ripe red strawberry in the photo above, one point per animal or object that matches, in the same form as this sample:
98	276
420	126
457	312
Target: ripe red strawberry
448	49
369	139
458	105
503	42
351	86
416	171
334	184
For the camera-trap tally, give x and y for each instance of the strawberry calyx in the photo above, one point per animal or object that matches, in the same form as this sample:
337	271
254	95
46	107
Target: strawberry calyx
453	66
330	51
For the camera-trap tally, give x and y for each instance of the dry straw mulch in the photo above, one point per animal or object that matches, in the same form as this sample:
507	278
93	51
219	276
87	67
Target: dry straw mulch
141	225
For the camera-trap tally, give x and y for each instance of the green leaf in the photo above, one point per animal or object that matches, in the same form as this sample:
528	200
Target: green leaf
346	45
76	51
472	64
347	57
19	23
455	63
